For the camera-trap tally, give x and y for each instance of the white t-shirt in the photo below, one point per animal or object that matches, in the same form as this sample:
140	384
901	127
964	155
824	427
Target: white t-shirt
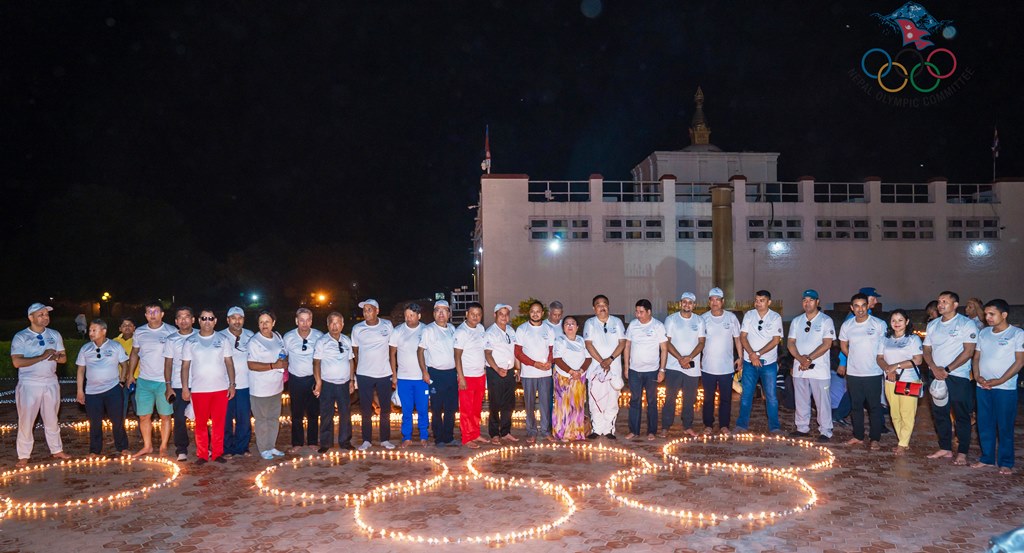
266	350
438	345
808	338
502	345
240	355
556	328
173	350
573	353
407	341
947	341
335	358
300	361
897	350
104	372
374	355
535	341
719	345
685	335
29	344
978	323
999	352
207	371
645	345
862	341
471	342
150	343
605	337
760	332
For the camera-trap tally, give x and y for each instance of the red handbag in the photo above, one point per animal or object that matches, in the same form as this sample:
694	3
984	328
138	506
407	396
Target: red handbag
915	389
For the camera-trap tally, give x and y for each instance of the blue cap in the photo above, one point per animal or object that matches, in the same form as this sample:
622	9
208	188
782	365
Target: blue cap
716	292
869	291
813	294
688	296
236	311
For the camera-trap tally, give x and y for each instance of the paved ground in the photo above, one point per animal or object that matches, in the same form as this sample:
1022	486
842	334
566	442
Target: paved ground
868	501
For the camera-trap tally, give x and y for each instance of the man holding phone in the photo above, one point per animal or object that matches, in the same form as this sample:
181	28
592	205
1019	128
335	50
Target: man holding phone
810	339
686	334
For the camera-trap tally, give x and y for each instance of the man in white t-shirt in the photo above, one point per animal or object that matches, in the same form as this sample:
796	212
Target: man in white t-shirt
810	339
174	348
760	335
208	382
413	382
499	350
605	338
374	374
534	350
686	336
998	358
858	340
147	359
238	424
948	349
101	364
470	364
35	352
436	355
717	366
554	320
333	367
644	358
299	343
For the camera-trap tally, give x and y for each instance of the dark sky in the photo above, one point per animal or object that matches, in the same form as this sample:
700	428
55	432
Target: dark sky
204	149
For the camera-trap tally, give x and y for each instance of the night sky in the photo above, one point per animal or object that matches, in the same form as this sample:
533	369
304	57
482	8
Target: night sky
202	150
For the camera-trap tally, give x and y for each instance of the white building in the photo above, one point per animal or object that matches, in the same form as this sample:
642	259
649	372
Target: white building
652	237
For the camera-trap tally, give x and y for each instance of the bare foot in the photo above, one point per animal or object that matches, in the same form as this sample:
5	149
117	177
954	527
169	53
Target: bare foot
690	432
531	440
483	440
125	453
854	441
961	460
650	437
21	463
1005	470
405	444
163	451
663	434
60	455
472	444
900	450
94	456
941	454
550	438
511	438
630	436
143	451
724	431
295	450
708	431
875	446
495	441
980	465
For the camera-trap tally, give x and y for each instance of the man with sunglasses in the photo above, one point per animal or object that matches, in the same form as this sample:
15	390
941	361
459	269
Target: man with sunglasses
237	424
605	338
760	334
299	343
147	360
686	336
35	352
333	366
102	362
810	342
502	368
374	373
436	356
173	348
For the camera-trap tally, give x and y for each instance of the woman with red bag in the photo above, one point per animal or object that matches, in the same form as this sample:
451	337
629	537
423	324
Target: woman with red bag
900	355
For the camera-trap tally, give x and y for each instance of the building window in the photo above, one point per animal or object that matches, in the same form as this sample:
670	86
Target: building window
972	229
905	194
559	191
908	229
784	228
633	229
562	229
839	192
692	192
842	229
773	192
970	194
630	191
694	229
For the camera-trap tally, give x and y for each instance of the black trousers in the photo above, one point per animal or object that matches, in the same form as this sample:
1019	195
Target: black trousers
961	403
304	404
111	402
180	428
369	385
444	402
501	399
867	390
331	395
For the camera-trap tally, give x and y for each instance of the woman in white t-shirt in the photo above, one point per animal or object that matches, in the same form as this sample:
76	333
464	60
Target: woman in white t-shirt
268	361
900	354
571	363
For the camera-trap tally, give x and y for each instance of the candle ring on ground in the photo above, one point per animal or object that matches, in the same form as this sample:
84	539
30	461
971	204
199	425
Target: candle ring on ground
383	494
579	447
121	497
624	477
825	455
348	456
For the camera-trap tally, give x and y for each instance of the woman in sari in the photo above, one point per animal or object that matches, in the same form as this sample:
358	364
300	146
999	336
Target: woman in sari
571	363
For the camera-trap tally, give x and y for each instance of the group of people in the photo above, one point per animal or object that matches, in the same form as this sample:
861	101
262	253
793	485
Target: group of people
568	375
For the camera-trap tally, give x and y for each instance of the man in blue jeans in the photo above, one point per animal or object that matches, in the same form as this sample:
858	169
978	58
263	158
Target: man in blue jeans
760	334
644	360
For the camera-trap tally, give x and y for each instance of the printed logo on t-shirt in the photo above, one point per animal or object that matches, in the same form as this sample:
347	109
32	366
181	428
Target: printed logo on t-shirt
383	332
973	336
871	332
217	343
693	327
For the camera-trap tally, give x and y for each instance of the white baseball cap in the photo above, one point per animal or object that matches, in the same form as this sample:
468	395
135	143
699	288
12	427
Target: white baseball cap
38	307
716	292
235	310
500	306
688	296
369	302
442	303
939	392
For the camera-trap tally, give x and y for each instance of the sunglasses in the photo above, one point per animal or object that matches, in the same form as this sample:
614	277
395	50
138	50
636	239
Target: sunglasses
99	353
808	327
238	340
40	338
305	341
209	319
760	324
605	328
507	339
341	347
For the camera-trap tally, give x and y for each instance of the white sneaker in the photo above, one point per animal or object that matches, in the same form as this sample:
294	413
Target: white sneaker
182	457
277	452
387	445
364	446
268	455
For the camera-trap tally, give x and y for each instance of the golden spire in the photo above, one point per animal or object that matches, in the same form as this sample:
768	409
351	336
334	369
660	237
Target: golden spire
700	132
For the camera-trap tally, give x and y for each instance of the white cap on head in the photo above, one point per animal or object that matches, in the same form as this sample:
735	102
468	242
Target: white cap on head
688	296
38	307
442	303
369	302
716	291
500	306
235	310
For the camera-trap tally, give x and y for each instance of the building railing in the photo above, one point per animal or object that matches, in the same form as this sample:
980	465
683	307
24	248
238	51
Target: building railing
631	191
693	192
787	192
906	193
840	192
970	194
559	191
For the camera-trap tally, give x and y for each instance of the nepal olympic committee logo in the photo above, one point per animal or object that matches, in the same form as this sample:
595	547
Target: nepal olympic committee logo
912	77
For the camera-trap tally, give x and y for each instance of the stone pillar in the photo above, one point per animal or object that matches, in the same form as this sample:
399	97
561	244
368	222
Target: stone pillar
721	245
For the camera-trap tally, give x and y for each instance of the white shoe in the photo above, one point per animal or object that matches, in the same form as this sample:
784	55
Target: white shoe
365	445
182	457
277	452
268	455
387	445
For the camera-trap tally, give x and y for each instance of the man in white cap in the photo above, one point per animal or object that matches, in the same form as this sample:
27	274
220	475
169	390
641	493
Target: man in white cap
722	330
686	336
605	338
147	359
760	335
101	364
35	352
299	343
238	425
437	358
502	367
374	373
554	320
810	340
